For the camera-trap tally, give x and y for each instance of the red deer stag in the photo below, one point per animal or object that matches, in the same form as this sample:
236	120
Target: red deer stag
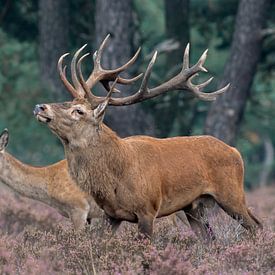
140	178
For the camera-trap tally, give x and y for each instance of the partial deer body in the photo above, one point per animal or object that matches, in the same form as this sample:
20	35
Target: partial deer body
141	178
51	185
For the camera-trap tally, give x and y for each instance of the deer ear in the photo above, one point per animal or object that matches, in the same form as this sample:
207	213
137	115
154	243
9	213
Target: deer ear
4	139
100	110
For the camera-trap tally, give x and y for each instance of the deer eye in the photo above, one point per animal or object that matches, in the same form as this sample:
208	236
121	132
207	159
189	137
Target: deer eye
80	112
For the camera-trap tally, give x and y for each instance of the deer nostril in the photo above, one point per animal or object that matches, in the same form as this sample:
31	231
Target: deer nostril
42	107
39	108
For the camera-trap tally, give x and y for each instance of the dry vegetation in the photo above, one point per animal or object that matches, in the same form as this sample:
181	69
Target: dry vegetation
36	240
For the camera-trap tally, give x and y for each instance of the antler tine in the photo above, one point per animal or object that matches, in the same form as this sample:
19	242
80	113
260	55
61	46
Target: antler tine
105	76
189	72
127	64
201	61
186	57
73	69
62	73
98	54
112	89
144	83
209	96
143	91
125	81
197	89
94	100
182	81
120	80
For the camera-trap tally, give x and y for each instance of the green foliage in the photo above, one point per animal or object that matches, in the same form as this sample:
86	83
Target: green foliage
214	19
205	33
260	111
150	21
81	30
19	92
19	18
258	124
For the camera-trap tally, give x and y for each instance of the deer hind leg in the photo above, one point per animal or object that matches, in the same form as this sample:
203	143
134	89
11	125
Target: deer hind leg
252	216
238	211
241	215
109	223
113	224
198	221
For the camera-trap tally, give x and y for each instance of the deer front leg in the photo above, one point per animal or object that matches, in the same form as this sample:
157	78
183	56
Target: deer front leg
145	225
79	213
79	218
181	215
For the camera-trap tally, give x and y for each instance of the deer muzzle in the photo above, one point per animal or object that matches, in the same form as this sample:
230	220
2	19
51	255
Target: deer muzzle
40	112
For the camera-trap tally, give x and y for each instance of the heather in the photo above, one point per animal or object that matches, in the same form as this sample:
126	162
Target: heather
36	239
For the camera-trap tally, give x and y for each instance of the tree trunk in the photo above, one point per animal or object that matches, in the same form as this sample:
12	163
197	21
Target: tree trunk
268	161
177	28
116	18
53	42
225	115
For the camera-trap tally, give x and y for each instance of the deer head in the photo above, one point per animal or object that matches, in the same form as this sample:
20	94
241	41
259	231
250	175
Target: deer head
85	109
4	139
82	117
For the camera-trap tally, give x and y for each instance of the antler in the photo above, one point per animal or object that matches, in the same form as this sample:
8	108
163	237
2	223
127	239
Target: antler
81	87
182	81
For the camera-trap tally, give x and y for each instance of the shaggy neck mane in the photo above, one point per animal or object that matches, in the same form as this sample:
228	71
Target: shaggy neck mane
100	164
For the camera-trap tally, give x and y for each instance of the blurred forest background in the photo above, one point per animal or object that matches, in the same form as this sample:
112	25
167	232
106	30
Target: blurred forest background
240	36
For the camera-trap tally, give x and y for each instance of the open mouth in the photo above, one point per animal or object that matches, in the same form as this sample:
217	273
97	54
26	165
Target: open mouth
43	118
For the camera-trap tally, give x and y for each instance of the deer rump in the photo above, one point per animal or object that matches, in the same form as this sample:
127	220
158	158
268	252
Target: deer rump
176	171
